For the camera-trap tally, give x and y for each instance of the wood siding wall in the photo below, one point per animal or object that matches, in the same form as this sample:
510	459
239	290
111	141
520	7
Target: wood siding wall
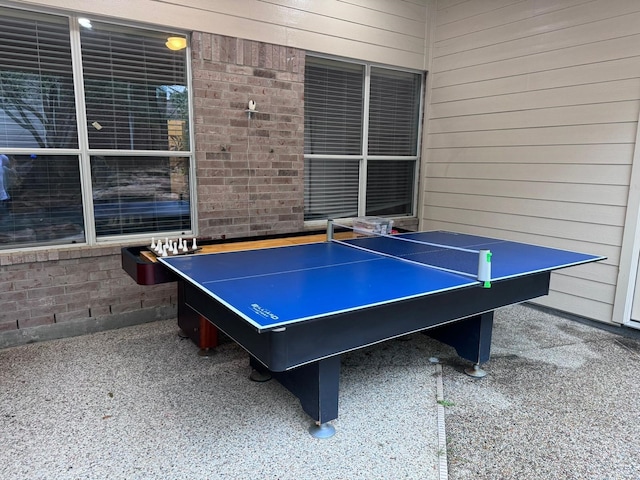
531	130
385	31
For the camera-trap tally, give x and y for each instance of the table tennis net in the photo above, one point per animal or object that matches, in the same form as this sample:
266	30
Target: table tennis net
451	259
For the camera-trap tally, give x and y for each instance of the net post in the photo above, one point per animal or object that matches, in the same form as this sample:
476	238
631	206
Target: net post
329	229
484	268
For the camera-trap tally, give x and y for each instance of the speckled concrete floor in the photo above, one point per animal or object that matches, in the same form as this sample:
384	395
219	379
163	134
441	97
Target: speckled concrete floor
561	401
139	403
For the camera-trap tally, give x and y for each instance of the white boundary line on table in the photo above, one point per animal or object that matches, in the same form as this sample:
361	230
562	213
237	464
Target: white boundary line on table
394	237
429	265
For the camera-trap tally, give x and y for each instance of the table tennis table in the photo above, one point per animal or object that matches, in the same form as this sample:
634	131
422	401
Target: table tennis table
296	309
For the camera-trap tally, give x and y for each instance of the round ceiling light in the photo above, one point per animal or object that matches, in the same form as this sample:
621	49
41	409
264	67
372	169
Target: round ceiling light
176	43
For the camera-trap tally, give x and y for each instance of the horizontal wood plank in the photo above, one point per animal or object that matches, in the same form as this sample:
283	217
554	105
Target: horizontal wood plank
584	307
595	93
547	227
570	211
593	73
584	32
492	19
623	132
586	194
405	8
604	154
608	50
405	17
601	113
381	34
604	270
583	288
576	174
343	20
470	11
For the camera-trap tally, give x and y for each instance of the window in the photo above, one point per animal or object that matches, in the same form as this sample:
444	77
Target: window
362	126
136	195
94	131
44	203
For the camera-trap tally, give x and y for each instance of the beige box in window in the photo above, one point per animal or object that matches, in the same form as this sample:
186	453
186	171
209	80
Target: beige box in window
372	225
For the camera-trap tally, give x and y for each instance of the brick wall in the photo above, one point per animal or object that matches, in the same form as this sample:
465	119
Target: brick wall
64	285
249	169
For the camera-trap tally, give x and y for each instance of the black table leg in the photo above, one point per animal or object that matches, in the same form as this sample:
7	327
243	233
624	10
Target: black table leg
316	385
470	337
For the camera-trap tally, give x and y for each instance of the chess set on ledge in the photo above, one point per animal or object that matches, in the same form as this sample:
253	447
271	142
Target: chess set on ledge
171	248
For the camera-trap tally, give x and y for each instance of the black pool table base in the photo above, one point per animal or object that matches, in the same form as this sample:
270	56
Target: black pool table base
316	384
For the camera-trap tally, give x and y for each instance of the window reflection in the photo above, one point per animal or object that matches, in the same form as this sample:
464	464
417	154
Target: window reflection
140	194
136	97
37	102
390	187
43	203
136	103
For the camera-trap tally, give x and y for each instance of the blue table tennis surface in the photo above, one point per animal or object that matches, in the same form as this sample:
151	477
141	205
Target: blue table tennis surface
274	287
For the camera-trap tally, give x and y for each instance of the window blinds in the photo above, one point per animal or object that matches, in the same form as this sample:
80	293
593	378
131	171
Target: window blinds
394	108
133	87
330	188
336	154
37	103
333	102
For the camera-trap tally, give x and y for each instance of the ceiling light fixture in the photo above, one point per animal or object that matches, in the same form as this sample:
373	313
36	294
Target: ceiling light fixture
176	43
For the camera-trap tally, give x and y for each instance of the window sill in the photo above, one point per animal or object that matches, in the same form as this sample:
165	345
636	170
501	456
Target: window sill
57	252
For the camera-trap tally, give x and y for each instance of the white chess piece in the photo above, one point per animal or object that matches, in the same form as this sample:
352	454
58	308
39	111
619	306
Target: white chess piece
194	246
153	243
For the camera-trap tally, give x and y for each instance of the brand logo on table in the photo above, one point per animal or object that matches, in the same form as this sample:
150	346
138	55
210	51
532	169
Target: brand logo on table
263	311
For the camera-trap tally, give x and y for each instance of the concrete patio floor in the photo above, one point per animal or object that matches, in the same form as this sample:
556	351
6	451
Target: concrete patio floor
560	401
